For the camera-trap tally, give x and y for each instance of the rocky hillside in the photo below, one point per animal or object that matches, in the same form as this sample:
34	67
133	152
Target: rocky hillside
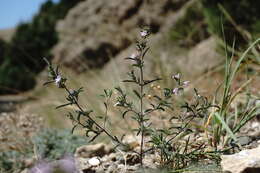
6	34
94	31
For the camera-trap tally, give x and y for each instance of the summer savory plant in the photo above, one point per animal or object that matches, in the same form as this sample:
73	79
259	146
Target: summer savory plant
173	143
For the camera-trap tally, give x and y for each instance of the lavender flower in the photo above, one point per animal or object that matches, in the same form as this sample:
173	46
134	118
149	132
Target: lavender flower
58	80
176	77
144	33
176	91
186	83
135	55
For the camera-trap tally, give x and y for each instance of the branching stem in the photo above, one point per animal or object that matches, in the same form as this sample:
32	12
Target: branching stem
141	113
81	109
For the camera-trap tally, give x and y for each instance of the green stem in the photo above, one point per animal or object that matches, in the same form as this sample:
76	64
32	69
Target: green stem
100	127
141	114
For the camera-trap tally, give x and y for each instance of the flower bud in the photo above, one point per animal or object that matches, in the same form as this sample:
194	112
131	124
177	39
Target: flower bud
144	33
176	77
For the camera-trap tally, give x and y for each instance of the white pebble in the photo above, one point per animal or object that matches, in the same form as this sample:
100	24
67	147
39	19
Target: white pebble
94	161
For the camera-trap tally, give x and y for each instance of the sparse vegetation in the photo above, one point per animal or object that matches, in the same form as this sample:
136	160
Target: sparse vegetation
173	141
47	145
53	144
173	121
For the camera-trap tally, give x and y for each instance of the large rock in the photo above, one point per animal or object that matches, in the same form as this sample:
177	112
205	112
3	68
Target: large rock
94	31
246	161
201	58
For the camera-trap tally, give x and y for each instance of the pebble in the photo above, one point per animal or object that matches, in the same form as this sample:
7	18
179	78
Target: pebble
94	161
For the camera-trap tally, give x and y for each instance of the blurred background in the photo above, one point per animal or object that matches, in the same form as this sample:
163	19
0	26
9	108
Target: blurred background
89	39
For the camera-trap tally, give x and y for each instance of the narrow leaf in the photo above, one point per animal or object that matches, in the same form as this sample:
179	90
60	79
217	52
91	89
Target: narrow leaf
137	94
124	114
72	130
63	105
224	124
48	82
146	82
128	81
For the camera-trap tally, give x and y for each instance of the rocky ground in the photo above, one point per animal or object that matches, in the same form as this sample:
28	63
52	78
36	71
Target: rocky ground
99	158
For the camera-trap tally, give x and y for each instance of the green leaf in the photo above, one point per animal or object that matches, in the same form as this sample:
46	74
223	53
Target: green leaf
129	81
157	97
146	50
148	110
119	90
137	94
48	82
225	126
105	104
94	137
63	105
146	82
72	130
124	114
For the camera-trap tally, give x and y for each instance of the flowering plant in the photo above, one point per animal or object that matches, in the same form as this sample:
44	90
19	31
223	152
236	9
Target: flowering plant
177	143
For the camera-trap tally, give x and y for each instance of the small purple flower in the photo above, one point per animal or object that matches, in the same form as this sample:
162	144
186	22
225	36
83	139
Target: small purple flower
186	83
144	33
58	80
176	91
135	55
176	77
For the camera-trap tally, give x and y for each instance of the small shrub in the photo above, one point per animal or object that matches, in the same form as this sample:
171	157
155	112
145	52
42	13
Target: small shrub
53	144
16	144
49	145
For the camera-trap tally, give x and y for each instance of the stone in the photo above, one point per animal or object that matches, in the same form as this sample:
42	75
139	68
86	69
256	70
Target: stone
132	142
66	165
112	168
88	151
82	164
92	165
95	31
132	159
195	60
246	161
94	161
